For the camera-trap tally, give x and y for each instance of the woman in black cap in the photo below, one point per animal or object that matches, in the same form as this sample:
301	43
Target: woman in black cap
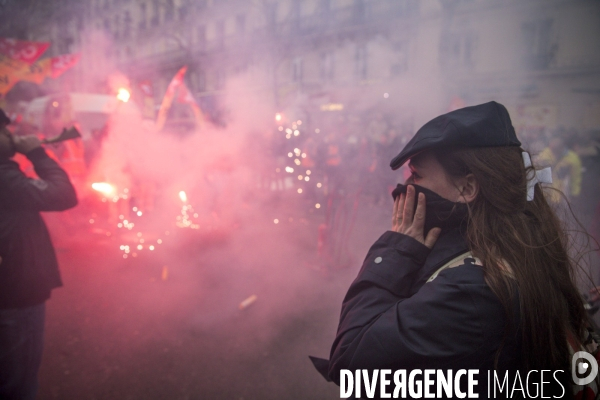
474	274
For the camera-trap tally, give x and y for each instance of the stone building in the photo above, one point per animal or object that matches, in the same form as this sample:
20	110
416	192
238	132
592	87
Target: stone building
411	59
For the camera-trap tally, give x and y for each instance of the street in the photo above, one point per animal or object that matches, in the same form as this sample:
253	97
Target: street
126	329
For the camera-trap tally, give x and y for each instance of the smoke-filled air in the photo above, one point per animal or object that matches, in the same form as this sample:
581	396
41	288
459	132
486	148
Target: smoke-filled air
233	167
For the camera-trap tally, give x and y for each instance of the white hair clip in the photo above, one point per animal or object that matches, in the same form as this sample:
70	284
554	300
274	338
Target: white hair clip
536	176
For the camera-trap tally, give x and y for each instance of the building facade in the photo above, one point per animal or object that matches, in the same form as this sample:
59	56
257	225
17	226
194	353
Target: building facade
411	59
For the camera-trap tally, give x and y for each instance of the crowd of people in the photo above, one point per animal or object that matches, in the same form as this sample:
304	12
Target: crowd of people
348	156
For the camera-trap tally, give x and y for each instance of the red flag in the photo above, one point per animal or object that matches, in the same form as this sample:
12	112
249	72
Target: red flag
62	63
176	82
21	50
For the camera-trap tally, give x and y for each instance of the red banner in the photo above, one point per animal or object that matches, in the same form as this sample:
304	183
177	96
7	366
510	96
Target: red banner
21	50
60	64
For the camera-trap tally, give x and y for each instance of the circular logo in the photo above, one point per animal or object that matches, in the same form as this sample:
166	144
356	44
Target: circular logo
584	368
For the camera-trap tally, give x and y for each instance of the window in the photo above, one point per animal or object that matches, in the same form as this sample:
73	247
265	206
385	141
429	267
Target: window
400	58
220	79
200	5
117	26
325	6
297	69
360	10
271	14
201	35
220	33
539	43
197	81
155	13
169	10
296	13
327	66
361	62
458	50
127	25
143	16
183	10
240	24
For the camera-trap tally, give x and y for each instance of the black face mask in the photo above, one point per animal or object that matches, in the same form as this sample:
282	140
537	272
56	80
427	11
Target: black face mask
439	212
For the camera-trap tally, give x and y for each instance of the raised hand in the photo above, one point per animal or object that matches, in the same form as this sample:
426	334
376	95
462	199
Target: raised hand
410	223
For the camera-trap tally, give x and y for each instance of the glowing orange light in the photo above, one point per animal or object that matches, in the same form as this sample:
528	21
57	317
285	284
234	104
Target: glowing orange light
183	196
105	188
123	95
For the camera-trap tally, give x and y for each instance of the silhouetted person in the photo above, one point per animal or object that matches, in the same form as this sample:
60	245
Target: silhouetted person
28	265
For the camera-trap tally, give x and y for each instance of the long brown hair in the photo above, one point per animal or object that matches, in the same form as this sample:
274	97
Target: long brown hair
506	230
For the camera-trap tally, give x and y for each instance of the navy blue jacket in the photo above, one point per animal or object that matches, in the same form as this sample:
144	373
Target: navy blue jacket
391	318
29	269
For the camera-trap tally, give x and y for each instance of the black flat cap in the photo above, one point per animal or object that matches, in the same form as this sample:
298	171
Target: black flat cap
484	125
4	120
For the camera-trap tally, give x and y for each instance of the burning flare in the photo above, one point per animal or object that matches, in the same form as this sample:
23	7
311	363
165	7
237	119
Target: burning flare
183	196
105	188
123	95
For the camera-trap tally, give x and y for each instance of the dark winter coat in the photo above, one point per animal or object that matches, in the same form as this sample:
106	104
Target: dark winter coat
392	319
29	269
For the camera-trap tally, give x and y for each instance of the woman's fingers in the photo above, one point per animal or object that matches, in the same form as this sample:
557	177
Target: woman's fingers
411	220
400	209
409	206
397	213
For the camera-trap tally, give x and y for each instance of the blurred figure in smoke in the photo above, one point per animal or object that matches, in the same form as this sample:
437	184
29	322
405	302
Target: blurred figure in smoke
28	266
566	167
474	273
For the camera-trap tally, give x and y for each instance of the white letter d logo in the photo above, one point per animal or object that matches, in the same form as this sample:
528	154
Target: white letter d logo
583	364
